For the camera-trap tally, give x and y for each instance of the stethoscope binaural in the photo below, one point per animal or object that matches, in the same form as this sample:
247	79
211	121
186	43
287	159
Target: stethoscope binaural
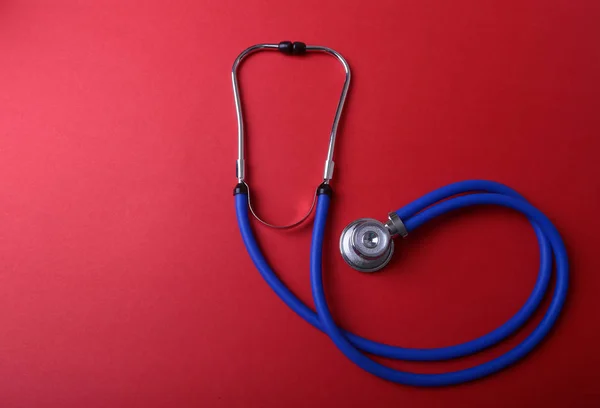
367	245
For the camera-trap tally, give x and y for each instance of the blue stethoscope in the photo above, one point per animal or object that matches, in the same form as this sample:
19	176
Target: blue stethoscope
367	245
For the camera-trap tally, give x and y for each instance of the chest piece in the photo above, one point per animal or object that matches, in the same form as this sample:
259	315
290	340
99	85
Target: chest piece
366	245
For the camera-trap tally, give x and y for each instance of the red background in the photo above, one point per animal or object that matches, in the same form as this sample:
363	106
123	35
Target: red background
123	279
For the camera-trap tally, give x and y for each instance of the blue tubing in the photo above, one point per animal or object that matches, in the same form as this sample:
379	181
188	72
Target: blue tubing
414	215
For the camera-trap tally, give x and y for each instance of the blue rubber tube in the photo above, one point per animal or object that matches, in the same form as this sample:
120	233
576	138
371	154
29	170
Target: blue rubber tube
414	215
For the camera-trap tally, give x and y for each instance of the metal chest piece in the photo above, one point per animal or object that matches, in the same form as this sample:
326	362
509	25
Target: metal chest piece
366	245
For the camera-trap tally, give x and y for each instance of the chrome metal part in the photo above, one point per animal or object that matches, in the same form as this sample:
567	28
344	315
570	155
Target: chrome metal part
366	245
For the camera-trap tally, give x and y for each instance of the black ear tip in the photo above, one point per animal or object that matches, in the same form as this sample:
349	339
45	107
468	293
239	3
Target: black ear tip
292	48
299	48
286	47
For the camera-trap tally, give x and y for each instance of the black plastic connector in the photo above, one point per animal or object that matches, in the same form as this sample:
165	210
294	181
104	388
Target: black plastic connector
240	188
324	189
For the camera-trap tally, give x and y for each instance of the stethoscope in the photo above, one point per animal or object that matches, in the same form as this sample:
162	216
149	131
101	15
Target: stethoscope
367	245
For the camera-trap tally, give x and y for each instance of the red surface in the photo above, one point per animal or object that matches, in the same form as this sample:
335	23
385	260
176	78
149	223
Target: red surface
123	279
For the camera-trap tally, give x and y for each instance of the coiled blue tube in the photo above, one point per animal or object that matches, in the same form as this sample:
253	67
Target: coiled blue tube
552	251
